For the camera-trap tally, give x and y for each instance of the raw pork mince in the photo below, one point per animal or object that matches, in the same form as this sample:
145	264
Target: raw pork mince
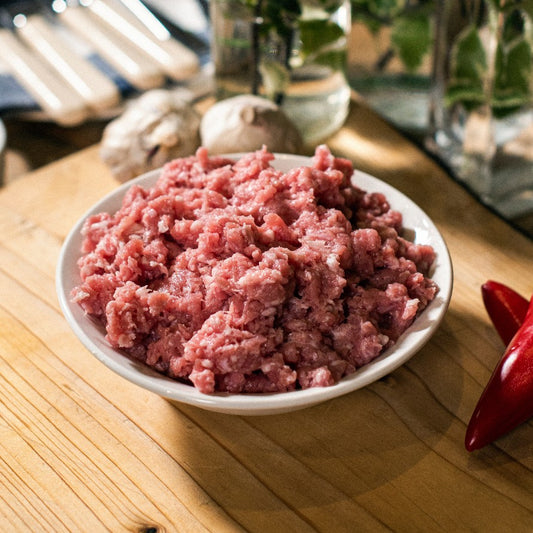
237	277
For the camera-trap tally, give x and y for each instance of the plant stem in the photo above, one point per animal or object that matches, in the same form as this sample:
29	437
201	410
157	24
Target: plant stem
256	77
289	38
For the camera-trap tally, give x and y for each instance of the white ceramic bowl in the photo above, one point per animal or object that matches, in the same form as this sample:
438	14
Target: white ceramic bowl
91	333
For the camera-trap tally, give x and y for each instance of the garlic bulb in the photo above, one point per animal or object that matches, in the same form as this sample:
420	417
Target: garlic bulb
245	123
157	127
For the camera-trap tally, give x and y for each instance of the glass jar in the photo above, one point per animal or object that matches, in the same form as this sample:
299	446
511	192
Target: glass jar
292	52
390	59
482	99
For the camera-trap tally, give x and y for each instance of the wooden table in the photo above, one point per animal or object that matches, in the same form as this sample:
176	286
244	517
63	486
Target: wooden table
84	450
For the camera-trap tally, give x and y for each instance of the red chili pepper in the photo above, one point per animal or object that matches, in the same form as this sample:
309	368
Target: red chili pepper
507	400
505	307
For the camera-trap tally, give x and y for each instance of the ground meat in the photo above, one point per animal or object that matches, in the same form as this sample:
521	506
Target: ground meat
234	276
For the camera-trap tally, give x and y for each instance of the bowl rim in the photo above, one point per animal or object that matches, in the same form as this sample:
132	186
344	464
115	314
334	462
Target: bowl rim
410	342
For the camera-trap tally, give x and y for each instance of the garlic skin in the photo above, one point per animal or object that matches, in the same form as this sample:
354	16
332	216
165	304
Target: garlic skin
245	123
155	128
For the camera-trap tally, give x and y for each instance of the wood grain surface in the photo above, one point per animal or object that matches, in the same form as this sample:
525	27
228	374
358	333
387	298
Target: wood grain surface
81	449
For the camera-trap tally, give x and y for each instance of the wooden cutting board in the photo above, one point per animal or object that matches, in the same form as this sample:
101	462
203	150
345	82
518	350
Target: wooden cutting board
83	450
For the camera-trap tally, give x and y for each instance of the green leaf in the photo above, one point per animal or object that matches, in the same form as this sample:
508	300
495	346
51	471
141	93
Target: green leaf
411	39
317	34
513	72
513	26
468	66
470	97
